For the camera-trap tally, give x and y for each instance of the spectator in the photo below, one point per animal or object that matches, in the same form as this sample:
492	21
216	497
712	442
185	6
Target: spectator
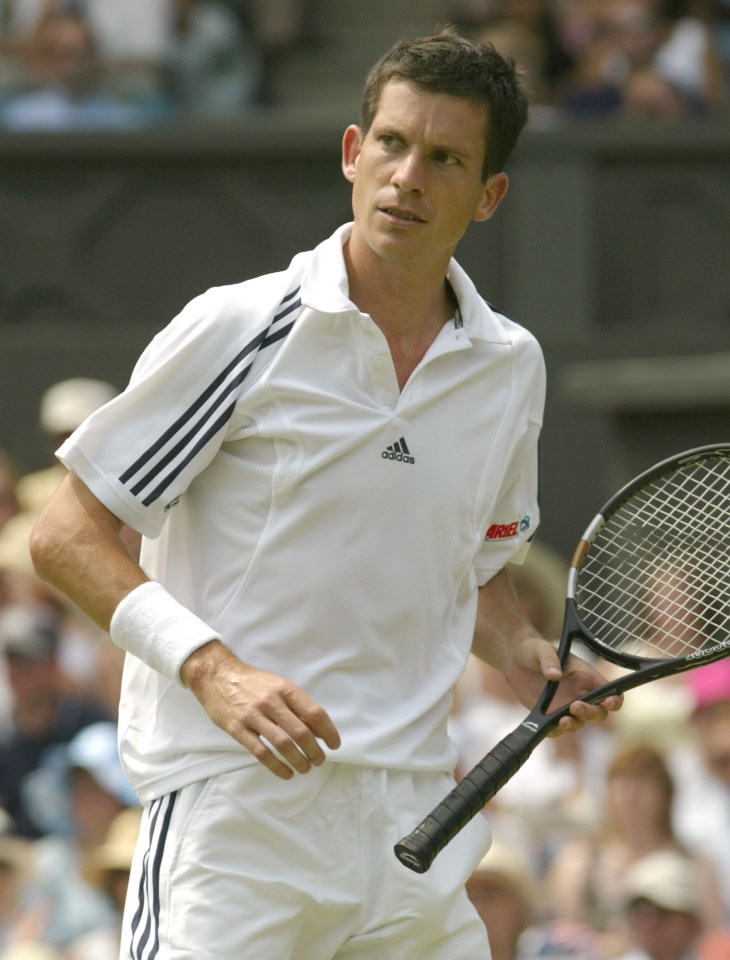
77	793
586	880
646	57
552	795
9	475
528	31
560	940
18	582
689	57
527	48
278	27
66	70
130	36
663	907
131	39
16	863
63	406
213	67
85	657
45	712
31	950
18	20
107	867
702	771
502	890
719	19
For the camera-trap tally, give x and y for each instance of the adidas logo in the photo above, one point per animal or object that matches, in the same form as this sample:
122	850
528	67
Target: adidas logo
398	451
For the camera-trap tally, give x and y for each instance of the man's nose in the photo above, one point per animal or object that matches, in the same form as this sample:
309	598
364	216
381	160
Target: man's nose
408	176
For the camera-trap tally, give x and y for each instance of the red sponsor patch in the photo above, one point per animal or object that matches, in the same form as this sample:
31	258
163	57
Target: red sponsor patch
505	531
502	531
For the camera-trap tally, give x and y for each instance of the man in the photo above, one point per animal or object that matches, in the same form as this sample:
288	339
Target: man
64	69
701	768
325	538
64	406
46	711
79	789
505	897
663	895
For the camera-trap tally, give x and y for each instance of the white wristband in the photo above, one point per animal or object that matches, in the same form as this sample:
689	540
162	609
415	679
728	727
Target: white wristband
150	624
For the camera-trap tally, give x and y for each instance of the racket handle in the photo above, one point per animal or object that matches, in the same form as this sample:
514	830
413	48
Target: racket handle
418	850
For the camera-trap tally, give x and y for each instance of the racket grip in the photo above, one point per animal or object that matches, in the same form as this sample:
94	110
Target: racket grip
419	849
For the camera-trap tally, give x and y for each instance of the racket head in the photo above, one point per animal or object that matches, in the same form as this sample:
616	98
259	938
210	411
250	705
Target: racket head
650	578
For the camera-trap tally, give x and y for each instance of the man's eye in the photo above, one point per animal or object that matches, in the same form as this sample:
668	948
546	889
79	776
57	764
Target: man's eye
446	158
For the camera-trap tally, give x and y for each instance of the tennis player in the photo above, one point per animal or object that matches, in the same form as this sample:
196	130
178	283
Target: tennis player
331	467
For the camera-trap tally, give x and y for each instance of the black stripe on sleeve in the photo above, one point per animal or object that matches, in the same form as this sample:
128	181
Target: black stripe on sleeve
243	360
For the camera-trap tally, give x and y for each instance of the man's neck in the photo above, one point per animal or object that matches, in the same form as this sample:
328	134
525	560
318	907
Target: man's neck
409	306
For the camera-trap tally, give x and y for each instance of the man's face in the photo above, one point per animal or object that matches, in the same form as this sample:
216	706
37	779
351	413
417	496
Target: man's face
31	679
662	933
417	175
65	54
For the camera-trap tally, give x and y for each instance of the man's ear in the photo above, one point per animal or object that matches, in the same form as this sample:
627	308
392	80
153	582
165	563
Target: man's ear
351	144
494	193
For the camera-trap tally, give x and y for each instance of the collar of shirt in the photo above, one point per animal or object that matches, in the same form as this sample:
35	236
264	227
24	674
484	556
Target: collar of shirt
325	289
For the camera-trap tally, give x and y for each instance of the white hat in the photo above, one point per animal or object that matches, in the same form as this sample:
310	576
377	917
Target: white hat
29	631
667	879
30	950
117	850
94	749
66	405
505	864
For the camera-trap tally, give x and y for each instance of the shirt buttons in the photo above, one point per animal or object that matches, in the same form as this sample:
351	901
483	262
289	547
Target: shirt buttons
379	363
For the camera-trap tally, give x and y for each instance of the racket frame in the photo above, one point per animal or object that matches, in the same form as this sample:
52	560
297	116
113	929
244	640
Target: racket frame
419	848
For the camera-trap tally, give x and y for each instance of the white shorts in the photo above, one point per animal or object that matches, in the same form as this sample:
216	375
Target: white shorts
246	866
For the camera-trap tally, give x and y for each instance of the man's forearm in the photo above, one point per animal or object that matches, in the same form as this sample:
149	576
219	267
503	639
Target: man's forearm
501	623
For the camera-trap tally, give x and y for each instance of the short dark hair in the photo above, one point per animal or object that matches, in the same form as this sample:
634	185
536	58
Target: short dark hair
449	63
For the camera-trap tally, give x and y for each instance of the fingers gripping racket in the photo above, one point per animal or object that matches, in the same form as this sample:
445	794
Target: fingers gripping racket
648	590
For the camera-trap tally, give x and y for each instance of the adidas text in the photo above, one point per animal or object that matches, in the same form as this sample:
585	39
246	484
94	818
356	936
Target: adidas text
401	457
399	452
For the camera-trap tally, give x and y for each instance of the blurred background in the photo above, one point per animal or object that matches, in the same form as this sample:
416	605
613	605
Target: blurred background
150	149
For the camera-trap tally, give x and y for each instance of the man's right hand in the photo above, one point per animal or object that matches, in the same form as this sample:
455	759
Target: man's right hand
251	705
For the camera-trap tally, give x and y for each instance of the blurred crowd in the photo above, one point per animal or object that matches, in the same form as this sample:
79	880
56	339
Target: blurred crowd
613	842
601	58
104	64
610	843
68	817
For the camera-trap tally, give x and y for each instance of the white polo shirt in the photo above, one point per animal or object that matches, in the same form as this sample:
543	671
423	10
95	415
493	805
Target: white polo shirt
332	528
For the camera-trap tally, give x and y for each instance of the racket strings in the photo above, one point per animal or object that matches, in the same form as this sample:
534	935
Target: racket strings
654	579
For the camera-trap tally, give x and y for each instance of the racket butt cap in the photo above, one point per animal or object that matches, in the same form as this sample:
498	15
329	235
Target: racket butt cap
410	858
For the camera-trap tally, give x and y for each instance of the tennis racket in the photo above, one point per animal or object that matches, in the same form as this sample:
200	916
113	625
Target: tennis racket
648	590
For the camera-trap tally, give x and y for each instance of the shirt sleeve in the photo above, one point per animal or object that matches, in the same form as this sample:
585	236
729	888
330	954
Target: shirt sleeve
139	452
515	516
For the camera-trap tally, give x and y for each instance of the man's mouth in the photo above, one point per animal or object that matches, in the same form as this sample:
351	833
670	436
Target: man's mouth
402	214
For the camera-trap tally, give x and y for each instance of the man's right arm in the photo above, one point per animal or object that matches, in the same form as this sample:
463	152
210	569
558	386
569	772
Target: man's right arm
77	546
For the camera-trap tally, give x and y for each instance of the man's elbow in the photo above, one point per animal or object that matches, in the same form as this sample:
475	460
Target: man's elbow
44	546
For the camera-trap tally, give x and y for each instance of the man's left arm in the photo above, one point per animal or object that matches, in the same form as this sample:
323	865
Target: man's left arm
505	639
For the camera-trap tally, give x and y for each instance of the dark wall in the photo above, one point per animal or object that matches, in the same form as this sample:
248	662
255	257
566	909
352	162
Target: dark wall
613	244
